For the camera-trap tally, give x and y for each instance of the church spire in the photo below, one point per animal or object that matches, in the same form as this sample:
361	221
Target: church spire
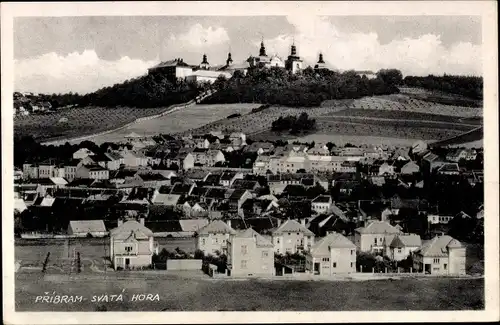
229	60
204	59
321	58
262	51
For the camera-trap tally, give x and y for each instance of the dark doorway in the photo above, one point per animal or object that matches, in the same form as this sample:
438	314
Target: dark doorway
127	263
316	268
427	268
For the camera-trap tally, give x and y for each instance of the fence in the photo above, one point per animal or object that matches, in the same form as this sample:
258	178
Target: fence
183	265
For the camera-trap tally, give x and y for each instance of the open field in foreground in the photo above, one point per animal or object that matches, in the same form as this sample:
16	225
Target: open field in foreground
196	293
80	121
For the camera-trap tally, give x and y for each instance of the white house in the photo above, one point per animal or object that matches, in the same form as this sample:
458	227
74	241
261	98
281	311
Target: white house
443	255
333	254
292	237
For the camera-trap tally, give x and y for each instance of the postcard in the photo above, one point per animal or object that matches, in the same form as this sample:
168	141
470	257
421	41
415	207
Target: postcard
232	162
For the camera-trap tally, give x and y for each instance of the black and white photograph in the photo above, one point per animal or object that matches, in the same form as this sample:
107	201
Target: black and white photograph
218	157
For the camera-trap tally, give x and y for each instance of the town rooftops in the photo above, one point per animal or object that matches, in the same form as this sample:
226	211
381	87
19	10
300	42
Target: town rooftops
216	227
378	227
292	226
438	246
87	226
332	240
171	63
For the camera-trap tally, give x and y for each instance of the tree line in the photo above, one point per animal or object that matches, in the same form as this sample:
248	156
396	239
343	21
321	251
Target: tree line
468	86
294	124
152	90
307	89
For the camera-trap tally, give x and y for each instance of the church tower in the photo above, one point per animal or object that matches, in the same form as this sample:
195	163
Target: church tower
204	64
262	51
294	62
321	63
229	60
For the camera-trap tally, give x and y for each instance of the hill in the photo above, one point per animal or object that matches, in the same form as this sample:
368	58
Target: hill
306	89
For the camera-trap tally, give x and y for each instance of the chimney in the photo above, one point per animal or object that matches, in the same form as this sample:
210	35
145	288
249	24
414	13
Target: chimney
120	222
229	223
141	221
303	222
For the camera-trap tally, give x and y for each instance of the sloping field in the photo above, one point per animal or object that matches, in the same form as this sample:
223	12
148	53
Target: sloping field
182	293
75	122
394	116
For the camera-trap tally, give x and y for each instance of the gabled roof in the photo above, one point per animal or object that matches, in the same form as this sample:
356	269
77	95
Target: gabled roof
259	240
216	227
408	240
292	226
438	246
128	227
332	240
378	227
87	226
322	199
165	199
193	224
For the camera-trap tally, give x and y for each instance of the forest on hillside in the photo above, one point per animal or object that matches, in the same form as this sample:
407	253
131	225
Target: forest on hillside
147	91
306	89
468	86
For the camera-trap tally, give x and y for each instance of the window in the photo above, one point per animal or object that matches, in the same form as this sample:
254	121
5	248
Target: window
335	264
243	250
352	251
203	241
375	241
436	261
352	264
445	266
326	259
399	250
265	254
243	264
289	234
128	249
278	240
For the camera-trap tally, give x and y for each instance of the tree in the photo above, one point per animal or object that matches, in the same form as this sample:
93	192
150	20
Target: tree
391	77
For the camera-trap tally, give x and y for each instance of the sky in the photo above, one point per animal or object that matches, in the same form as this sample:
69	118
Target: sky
83	54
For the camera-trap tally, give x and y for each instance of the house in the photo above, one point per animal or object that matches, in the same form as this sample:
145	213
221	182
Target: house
292	237
439	219
386	169
249	254
259	147
448	169
197	175
87	228
443	255
30	171
131	245
459	154
183	160
238	139
371	238
71	167
92	172
153	179
82	153
322	204
115	160
333	254
47	169
213	237
199	209
244	184
402	246
410	168
237	198
228	177
165	199
134	158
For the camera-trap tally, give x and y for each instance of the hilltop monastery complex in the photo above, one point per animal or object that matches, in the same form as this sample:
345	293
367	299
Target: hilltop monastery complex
204	72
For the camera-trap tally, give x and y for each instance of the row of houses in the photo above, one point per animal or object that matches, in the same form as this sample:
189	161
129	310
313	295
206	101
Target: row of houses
252	254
